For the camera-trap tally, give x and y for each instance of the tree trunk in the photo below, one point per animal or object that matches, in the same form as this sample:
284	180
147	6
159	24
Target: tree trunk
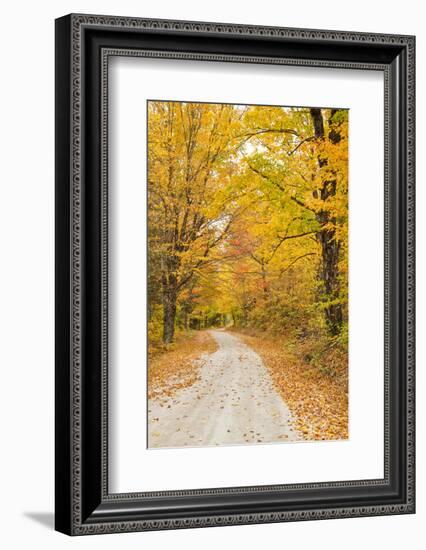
329	275
264	282
169	313
330	246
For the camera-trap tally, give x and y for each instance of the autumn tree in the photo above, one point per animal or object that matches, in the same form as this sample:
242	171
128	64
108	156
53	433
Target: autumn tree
247	216
302	154
189	210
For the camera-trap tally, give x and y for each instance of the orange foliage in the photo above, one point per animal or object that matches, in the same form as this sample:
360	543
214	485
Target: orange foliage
318	400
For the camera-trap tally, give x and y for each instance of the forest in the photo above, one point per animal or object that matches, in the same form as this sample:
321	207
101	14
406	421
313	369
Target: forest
248	218
247	273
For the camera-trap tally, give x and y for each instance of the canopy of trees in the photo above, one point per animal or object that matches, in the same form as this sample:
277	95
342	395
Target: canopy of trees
248	218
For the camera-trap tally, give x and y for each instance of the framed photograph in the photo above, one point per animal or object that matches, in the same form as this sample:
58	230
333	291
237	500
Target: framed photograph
234	274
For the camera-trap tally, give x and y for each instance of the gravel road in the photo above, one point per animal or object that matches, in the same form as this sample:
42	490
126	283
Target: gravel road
233	403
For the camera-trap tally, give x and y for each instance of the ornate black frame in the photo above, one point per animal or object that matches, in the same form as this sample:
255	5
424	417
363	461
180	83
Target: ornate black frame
83	46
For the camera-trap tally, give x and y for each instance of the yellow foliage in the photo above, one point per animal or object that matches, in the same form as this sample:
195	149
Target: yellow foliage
248	214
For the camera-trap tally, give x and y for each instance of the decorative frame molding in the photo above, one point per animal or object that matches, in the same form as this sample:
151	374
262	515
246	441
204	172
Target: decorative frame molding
84	44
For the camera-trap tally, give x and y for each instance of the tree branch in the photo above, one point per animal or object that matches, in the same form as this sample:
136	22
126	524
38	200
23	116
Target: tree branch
311	138
296	260
261	131
297	236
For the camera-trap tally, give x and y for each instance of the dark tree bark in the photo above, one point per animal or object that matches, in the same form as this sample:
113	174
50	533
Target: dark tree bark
264	282
170	295
330	246
318	123
329	275
169	314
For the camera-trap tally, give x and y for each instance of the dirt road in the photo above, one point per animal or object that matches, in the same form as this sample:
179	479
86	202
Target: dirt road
234	402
